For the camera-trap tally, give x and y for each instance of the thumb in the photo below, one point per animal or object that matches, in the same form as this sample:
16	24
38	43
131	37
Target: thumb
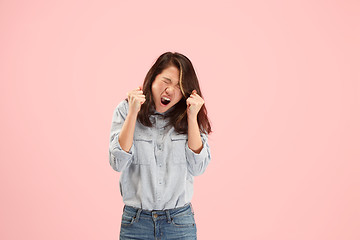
188	103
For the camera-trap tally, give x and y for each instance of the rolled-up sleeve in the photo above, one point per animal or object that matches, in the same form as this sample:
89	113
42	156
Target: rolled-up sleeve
197	162
119	159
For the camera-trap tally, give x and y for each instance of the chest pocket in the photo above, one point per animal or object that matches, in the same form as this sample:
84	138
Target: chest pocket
143	148
178	142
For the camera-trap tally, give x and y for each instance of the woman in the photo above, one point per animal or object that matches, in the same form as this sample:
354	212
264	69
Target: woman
158	141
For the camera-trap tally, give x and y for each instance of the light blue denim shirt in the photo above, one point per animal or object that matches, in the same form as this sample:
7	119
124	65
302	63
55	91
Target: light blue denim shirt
158	171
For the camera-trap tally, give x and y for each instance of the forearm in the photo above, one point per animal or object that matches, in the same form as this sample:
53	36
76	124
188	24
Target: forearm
194	138
127	132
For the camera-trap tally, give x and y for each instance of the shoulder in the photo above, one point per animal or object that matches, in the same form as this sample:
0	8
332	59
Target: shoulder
121	110
122	106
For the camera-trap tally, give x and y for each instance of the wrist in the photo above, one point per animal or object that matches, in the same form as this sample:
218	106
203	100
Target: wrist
192	119
132	115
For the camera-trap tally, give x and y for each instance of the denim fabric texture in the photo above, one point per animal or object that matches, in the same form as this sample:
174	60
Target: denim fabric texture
178	223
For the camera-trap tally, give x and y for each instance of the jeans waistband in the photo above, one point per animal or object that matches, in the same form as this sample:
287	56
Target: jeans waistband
158	213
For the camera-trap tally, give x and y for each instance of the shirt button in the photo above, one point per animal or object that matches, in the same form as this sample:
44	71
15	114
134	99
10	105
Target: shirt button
160	165
155	215
160	147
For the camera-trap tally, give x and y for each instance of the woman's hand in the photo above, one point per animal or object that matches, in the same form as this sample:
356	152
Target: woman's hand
136	98
194	104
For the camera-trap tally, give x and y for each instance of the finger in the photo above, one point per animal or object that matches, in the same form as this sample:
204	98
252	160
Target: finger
190	101
141	97
138	90
134	92
136	95
195	96
198	98
194	93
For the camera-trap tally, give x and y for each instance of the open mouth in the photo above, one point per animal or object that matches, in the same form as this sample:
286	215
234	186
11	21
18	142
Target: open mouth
165	100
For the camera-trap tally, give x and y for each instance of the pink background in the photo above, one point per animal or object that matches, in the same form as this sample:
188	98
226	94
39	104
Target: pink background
280	81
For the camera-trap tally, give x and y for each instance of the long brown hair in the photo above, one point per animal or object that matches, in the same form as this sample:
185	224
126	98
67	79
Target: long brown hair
188	82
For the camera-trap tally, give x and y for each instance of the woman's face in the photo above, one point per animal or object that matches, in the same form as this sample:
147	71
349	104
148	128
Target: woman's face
166	90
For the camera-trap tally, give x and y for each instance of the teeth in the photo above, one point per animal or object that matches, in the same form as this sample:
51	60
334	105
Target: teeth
165	100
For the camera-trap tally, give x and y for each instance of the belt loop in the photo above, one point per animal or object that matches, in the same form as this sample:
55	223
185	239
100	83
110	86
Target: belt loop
192	210
138	215
168	216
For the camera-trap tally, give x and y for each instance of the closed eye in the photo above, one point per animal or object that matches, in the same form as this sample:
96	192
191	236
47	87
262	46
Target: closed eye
166	80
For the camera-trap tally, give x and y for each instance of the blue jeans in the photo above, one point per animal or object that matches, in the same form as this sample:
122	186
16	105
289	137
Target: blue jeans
176	223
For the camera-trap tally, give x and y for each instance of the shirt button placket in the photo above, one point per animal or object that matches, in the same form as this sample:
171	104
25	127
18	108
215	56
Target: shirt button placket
160	147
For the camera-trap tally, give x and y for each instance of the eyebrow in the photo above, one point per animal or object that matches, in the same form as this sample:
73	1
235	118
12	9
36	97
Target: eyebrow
169	79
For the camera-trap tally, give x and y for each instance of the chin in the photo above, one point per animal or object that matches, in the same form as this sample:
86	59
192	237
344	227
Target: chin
162	109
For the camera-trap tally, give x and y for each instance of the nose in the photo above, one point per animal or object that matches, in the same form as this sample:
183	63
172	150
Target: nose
169	90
